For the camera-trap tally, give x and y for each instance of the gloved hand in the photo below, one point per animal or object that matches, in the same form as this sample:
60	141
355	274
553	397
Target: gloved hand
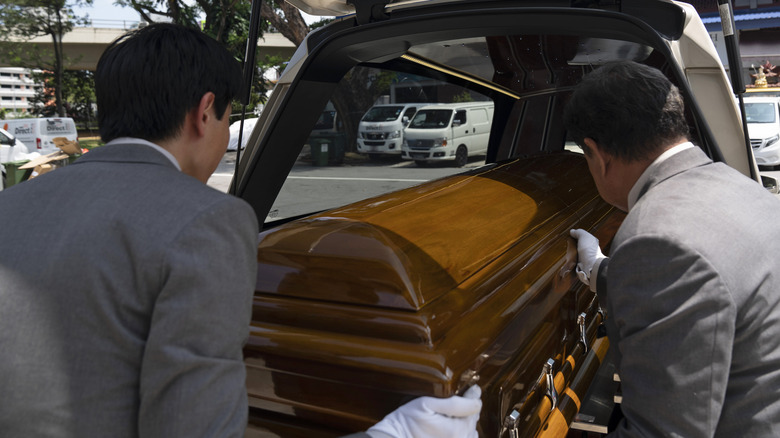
431	417
589	253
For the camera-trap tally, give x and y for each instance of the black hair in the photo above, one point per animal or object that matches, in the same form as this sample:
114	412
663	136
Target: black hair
148	79
631	110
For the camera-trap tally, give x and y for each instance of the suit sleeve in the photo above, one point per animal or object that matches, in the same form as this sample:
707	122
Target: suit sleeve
193	377
676	323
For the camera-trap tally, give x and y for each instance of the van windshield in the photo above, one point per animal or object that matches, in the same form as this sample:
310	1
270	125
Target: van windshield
383	114
431	119
763	112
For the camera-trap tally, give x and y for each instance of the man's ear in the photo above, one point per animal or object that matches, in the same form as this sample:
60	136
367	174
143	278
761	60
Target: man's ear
203	112
601	159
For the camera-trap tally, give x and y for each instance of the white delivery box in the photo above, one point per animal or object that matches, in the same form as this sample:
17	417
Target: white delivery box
38	134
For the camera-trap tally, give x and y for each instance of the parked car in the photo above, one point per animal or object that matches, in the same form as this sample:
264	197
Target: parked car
235	128
39	134
381	129
403	282
763	122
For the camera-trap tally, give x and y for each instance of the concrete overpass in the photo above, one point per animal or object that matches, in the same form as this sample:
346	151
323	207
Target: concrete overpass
84	45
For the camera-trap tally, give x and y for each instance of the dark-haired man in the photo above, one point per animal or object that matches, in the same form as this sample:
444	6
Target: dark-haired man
125	281
691	287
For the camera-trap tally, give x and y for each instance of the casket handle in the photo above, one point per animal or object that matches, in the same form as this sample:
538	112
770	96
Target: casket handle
551	391
583	335
510	423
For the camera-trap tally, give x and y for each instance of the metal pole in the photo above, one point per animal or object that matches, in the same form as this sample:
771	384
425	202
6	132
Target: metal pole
246	85
735	66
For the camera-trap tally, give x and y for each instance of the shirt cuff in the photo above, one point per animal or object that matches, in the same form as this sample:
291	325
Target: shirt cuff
594	273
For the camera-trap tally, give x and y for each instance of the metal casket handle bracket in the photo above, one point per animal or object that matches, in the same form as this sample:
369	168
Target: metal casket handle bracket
583	335
551	391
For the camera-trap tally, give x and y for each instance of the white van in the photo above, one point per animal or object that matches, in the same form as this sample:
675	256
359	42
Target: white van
763	122
451	131
381	129
11	149
37	134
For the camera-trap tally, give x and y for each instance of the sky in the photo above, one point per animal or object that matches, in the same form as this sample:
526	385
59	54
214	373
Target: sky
104	13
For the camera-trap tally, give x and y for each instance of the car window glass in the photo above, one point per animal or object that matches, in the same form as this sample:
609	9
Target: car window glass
4	139
510	90
760	112
362	156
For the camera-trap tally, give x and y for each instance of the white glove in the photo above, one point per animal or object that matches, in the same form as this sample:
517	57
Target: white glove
589	254
431	417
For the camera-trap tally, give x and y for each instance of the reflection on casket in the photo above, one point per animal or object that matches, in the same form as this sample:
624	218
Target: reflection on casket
466	279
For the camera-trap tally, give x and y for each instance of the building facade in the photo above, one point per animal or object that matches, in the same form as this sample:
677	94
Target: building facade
16	89
757	25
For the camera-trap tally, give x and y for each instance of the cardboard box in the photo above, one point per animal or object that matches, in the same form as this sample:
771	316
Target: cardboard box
70	147
45	159
41	169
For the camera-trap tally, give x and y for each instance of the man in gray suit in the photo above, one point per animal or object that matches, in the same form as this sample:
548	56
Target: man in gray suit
692	285
126	282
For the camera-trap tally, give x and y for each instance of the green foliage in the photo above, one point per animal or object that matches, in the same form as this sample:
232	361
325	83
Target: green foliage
43	101
80	101
175	11
26	19
227	21
78	95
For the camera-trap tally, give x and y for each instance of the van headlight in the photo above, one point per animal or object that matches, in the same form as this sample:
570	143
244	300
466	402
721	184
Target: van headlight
394	134
772	140
440	142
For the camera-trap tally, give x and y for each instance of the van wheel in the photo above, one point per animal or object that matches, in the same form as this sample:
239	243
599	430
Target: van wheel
461	156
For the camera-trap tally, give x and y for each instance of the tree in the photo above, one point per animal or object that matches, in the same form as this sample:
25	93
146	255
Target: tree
27	19
227	21
80	100
356	93
42	104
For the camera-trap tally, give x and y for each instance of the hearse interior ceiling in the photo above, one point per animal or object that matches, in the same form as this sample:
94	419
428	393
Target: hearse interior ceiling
523	63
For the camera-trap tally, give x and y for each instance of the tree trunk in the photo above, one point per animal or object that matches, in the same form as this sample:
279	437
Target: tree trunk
291	25
59	68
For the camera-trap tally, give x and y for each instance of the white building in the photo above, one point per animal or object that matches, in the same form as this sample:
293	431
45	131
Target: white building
16	89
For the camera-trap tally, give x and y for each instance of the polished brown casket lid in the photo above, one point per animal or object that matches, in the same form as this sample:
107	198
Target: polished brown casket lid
406	249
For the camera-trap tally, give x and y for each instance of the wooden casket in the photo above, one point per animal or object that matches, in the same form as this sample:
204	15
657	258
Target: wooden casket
464	280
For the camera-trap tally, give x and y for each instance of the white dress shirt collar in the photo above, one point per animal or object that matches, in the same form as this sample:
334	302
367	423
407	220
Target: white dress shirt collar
158	148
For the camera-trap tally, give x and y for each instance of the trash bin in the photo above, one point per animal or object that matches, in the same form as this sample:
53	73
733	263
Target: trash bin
338	142
14	175
319	150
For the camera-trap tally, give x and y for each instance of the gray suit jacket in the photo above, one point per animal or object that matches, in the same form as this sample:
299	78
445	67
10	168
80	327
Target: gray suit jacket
125	291
692	290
